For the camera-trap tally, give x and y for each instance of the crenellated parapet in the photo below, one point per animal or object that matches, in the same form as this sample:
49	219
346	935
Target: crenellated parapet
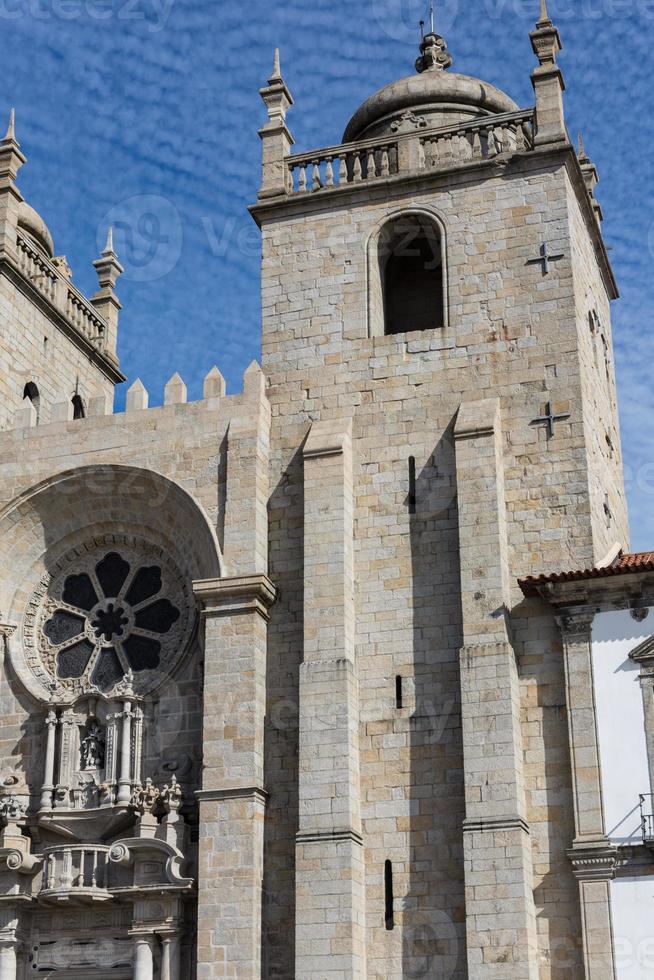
138	400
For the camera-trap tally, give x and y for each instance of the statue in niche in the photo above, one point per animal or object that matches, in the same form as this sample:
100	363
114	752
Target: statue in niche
92	747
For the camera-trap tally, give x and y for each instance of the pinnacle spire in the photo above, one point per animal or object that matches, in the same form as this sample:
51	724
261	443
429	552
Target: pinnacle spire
544	18
276	95
10	151
277	71
10	135
109	245
11	128
583	156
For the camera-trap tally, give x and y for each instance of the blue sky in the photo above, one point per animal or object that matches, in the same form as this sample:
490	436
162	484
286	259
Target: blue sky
145	113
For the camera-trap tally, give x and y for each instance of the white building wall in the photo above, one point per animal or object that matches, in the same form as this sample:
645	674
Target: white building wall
625	775
620	721
632	904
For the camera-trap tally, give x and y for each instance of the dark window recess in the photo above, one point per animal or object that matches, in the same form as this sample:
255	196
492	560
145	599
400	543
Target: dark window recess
112	572
398	692
157	618
63	626
146	584
31	391
79	412
107	671
142	652
73	661
79	591
388	895
412	484
411	270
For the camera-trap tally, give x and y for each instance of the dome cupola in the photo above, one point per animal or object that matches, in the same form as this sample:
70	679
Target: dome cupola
431	98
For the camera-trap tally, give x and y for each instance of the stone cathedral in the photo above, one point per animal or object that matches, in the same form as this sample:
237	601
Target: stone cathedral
347	675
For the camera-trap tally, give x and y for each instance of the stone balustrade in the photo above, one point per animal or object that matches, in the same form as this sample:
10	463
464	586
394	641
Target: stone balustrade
61	293
481	139
367	160
340	165
75	872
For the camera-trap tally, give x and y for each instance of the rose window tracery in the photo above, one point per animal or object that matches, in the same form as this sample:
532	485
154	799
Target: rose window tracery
109	612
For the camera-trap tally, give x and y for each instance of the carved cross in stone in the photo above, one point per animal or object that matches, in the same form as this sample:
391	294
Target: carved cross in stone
550	419
545	258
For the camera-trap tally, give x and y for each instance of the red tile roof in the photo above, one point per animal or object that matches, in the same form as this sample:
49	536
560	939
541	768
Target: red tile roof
624	565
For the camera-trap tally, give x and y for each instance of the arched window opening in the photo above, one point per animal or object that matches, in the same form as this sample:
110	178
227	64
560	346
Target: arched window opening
410	257
79	412
31	393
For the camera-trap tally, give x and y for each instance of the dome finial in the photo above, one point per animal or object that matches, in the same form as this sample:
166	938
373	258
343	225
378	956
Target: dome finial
434	55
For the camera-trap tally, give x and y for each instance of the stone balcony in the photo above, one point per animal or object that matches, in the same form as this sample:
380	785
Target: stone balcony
76	874
419	150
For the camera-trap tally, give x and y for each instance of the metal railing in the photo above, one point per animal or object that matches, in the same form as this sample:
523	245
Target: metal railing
646	801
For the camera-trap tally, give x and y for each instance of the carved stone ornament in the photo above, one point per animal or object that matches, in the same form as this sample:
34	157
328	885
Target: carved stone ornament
112	617
146	797
596	862
434	55
408	122
575	625
11	809
66	954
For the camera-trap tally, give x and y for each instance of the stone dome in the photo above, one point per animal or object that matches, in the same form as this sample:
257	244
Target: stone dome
31	222
433	97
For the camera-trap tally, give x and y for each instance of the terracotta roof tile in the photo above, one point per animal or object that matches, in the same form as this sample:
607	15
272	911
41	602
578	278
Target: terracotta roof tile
641	562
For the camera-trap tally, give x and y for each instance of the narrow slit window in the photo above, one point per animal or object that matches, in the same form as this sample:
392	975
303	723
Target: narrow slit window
399	701
388	895
412	484
79	412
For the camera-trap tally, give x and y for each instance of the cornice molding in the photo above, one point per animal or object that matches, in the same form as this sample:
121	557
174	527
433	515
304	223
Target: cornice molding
236	594
593	862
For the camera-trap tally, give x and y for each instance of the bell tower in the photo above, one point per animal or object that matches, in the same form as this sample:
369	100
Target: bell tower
437	343
57	348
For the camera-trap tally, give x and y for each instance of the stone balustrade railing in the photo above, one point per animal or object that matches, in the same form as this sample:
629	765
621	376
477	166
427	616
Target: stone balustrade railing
339	165
75	871
367	160
59	291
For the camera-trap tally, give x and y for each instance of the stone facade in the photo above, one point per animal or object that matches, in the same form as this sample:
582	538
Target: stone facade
272	702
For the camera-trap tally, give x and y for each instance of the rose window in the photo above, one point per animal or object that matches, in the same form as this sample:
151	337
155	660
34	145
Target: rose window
109	612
